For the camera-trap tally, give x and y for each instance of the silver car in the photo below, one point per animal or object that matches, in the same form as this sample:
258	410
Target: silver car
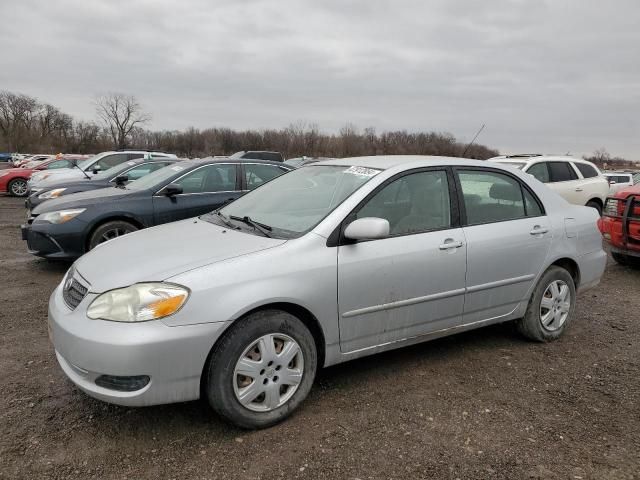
331	262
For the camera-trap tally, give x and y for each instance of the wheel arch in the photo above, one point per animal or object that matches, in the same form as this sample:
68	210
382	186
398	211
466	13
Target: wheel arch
298	311
111	218
570	266
597	200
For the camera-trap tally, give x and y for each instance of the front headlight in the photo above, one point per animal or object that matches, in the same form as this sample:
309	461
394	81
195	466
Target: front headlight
139	302
55	193
59	216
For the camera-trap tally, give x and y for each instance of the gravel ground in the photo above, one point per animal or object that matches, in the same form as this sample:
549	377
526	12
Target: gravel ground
484	404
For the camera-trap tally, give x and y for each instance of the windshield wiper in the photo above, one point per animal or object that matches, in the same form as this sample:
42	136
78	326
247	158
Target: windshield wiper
261	227
83	172
225	220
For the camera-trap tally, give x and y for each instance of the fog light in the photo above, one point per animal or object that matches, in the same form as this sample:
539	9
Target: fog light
123	384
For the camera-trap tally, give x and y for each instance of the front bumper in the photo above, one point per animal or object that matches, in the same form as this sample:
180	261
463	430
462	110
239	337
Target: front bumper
173	357
65	241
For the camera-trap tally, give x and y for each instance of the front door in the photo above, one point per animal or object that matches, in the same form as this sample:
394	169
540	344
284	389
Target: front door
412	282
203	190
508	237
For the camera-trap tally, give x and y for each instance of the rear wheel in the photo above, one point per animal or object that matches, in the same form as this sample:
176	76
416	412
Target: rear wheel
109	231
551	306
18	187
595	204
261	370
620	258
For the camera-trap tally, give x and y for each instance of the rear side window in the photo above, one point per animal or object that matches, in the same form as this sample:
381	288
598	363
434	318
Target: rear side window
495	197
561	172
133	156
586	170
540	172
257	174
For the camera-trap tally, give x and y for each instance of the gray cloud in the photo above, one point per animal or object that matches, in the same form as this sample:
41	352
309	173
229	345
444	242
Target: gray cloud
545	76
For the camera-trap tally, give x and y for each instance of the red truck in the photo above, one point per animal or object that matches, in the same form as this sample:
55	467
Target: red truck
620	225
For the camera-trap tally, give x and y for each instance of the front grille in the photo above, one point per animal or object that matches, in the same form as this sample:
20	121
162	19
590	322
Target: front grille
73	292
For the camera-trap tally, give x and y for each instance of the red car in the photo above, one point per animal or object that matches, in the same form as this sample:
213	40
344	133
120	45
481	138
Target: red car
620	225
14	180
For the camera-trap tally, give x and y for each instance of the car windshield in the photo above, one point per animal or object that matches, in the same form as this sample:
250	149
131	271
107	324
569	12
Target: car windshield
155	178
85	163
237	154
113	171
295	202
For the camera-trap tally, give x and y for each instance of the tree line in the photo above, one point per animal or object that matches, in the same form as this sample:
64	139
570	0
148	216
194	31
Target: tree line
28	125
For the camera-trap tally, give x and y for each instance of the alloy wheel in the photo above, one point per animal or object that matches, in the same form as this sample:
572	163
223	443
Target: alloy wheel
19	188
268	372
555	305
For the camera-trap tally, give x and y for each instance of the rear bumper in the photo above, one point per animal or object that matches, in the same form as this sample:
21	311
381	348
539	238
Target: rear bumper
592	266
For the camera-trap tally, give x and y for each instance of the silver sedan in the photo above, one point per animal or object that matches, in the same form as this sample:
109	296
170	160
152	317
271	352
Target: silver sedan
331	262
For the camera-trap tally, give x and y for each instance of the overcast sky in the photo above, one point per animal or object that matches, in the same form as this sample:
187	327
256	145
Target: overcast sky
544	76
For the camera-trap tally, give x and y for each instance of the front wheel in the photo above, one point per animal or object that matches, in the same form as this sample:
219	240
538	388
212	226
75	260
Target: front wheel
18	187
110	230
261	370
596	205
551	306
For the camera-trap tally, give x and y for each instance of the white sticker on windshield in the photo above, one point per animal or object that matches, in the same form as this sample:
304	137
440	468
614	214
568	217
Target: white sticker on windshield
362	171
177	168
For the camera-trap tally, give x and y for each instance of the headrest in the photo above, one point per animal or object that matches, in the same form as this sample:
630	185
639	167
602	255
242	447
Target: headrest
501	191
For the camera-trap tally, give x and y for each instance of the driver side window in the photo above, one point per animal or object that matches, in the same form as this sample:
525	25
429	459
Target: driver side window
413	203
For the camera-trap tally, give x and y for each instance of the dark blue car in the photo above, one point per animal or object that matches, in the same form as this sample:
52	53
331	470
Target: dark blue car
67	227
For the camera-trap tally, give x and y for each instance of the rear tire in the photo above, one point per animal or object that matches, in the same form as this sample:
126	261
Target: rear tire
596	205
17	187
277	380
109	231
550	308
620	258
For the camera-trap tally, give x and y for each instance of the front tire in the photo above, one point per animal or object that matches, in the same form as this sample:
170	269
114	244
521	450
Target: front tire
596	205
18	187
110	230
550	308
261	370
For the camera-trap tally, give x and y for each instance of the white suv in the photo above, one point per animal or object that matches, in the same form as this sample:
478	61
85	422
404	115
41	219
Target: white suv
89	167
577	181
620	180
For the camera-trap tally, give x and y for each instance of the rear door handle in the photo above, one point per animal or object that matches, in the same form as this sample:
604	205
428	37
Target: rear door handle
538	230
578	189
450	244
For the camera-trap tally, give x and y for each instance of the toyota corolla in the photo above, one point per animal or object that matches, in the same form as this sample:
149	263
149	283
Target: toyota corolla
331	262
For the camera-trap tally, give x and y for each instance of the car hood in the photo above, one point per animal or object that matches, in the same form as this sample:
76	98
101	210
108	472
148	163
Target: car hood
84	182
157	253
82	199
625	192
55	176
25	171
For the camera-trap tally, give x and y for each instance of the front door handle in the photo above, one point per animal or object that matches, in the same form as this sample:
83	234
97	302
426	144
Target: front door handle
450	244
578	189
538	230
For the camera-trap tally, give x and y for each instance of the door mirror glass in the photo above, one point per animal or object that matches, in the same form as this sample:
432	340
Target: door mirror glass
121	179
171	190
368	228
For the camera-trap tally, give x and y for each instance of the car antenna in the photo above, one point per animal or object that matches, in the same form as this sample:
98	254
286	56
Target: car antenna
474	139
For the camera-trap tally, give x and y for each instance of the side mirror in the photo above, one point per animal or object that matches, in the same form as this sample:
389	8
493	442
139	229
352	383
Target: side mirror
171	190
368	228
121	180
612	182
95	170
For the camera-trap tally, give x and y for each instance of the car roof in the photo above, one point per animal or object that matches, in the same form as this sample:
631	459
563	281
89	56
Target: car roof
199	161
530	158
384	162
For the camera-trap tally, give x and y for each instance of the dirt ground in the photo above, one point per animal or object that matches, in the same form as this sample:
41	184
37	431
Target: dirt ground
484	404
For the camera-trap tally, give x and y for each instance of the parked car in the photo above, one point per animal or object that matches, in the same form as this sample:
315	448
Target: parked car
31	159
298	162
89	167
620	225
115	176
259	155
619	180
330	262
67	227
6	157
14	180
577	181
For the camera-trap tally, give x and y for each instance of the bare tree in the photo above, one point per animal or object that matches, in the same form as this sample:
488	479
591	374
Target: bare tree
120	114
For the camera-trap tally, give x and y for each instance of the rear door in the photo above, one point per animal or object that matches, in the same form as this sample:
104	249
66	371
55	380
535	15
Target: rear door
508	236
562	178
203	189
